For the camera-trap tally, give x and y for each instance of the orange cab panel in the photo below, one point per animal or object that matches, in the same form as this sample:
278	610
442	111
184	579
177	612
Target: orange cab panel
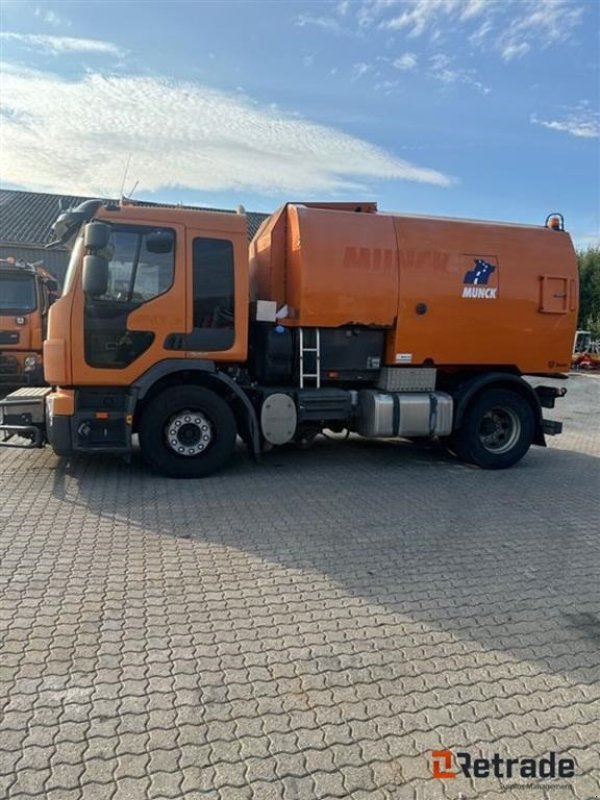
155	321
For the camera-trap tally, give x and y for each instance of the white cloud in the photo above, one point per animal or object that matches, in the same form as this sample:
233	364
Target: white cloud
359	69
420	15
543	23
478	37
507	30
387	87
52	18
369	11
512	28
442	69
326	23
582	122
73	136
473	8
62	44
405	62
515	50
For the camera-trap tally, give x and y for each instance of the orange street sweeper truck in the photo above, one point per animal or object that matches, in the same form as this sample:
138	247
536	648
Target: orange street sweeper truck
337	317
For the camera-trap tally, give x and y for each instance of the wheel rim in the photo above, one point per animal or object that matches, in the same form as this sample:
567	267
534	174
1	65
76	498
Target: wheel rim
499	430
188	433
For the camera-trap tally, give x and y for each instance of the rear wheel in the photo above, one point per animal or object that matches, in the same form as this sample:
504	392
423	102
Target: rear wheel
187	432
497	430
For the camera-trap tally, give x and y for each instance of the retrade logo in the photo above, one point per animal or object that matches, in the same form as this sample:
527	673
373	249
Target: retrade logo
478	278
441	764
550	766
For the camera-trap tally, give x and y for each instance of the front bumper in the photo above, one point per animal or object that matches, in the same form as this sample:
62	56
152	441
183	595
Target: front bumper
58	431
89	420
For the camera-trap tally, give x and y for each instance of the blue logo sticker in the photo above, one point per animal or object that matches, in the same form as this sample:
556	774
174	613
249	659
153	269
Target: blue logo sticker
480	274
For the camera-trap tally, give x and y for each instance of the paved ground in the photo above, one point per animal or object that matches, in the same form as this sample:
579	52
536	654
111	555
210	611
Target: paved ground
310	628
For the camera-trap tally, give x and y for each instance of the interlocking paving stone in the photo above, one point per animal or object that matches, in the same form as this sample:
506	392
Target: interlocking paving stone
312	627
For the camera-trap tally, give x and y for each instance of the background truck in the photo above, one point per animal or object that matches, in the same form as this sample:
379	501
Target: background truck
338	317
586	351
26	293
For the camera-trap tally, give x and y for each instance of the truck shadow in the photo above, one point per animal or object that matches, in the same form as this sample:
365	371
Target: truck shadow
498	565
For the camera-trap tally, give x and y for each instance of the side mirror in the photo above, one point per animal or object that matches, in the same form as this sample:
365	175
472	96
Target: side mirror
52	285
96	235
95	275
159	242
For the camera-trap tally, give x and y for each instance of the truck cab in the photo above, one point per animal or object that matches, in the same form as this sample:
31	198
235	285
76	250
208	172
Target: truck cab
152	289
152	297
26	293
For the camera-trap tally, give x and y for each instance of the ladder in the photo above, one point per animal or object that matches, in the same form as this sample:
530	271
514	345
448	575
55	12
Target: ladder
316	375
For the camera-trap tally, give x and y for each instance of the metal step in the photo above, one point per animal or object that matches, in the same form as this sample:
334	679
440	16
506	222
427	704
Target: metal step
316	350
32	433
25	401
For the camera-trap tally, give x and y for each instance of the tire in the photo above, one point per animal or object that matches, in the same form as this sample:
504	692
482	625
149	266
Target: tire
497	430
305	438
187	432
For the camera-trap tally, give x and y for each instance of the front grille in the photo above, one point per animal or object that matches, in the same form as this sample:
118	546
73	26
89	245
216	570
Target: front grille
101	400
9	337
8	366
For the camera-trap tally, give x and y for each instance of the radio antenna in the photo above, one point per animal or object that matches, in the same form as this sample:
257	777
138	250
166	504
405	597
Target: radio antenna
132	190
124	177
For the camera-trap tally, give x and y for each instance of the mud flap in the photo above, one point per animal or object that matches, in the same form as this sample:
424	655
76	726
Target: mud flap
551	427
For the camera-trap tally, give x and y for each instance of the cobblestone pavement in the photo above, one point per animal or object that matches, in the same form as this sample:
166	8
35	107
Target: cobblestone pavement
312	627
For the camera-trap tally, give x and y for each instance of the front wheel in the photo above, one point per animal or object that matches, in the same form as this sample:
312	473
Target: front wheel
187	432
497	430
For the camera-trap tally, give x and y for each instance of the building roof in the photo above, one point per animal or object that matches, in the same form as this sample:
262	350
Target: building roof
26	217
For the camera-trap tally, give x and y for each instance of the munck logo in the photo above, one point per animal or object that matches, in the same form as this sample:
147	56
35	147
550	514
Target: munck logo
549	766
477	278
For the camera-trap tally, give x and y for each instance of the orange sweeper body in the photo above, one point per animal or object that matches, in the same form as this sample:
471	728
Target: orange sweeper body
417	278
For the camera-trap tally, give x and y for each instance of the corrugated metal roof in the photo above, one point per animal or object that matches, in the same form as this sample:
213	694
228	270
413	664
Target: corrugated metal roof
55	261
26	217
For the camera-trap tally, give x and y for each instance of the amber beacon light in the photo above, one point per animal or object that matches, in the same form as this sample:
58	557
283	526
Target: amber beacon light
555	221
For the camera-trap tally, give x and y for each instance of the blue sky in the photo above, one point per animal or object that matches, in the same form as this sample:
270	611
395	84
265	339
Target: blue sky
465	108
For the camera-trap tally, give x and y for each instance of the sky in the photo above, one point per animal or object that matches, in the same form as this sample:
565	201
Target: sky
467	108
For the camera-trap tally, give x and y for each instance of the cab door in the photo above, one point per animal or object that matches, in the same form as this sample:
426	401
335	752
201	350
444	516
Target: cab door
217	301
124	329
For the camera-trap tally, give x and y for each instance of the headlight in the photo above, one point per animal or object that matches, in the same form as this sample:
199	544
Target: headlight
30	362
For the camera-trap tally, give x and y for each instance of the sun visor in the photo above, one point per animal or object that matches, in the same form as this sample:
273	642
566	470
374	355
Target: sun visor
70	220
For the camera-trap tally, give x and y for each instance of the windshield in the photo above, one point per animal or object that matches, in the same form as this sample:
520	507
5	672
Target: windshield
73	262
17	293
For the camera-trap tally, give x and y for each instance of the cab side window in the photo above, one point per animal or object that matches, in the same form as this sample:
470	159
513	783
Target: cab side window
214	292
137	274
